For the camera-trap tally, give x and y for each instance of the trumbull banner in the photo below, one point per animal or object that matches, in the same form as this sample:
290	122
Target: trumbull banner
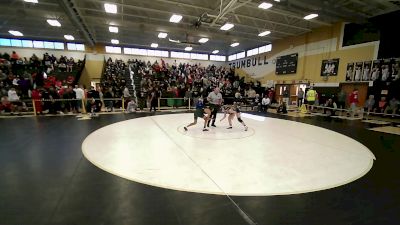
250	62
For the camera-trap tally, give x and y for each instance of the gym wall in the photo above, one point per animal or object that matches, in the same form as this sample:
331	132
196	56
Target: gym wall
313	47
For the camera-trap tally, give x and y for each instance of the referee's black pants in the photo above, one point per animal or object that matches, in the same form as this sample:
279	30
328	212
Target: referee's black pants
214	112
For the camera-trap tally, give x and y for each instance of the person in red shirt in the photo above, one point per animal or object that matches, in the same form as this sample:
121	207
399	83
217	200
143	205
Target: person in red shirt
6	106
353	100
37	96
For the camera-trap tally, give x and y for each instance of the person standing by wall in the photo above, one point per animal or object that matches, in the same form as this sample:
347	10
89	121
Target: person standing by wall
342	100
300	96
353	100
215	100
286	95
311	96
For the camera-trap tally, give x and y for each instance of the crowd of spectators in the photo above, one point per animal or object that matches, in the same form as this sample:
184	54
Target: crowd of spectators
22	80
183	80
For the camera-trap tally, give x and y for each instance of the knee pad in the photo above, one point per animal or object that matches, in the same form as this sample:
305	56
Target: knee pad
240	120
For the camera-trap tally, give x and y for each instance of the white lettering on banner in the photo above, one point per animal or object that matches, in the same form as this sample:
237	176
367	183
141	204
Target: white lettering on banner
266	65
250	62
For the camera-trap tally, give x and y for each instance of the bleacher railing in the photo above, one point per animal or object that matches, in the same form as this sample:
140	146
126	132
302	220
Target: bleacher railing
29	106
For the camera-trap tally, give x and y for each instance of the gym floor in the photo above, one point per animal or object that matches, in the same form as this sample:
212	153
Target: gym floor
46	179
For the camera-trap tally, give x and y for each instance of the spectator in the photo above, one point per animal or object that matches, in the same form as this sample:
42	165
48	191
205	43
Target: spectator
132	106
382	105
266	101
311	97
286	95
353	100
37	97
331	107
393	106
79	95
369	104
300	96
6	106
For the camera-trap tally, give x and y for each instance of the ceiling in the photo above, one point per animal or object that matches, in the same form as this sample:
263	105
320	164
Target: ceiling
139	21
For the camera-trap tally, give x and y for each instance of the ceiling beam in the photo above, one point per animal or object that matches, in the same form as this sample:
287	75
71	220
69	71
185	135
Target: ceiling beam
208	10
185	15
128	25
76	19
169	25
253	6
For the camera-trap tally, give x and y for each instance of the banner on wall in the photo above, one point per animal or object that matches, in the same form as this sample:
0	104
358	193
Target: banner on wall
395	69
249	62
366	72
385	68
330	67
358	70
376	70
349	72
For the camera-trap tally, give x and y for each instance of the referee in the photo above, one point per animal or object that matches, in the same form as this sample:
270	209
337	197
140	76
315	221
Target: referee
215	101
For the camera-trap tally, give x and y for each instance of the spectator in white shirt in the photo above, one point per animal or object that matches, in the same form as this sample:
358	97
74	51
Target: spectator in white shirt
265	102
80	94
12	95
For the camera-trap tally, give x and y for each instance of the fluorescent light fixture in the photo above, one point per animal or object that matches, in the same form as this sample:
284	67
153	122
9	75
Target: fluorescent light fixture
115	41
15	33
265	5
175	18
227	26
113	29
311	16
188	49
215	52
203	40
277	0
31	1
154	45
54	23
234	44
110	8
262	34
162	35
69	37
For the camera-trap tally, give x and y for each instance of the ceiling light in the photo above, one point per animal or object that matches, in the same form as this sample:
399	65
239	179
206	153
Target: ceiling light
114	41
265	5
31	1
234	44
227	26
15	33
215	52
203	40
110	8
162	35
262	34
277	0
154	45
175	18
113	29
69	37
311	16
54	23
188	49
